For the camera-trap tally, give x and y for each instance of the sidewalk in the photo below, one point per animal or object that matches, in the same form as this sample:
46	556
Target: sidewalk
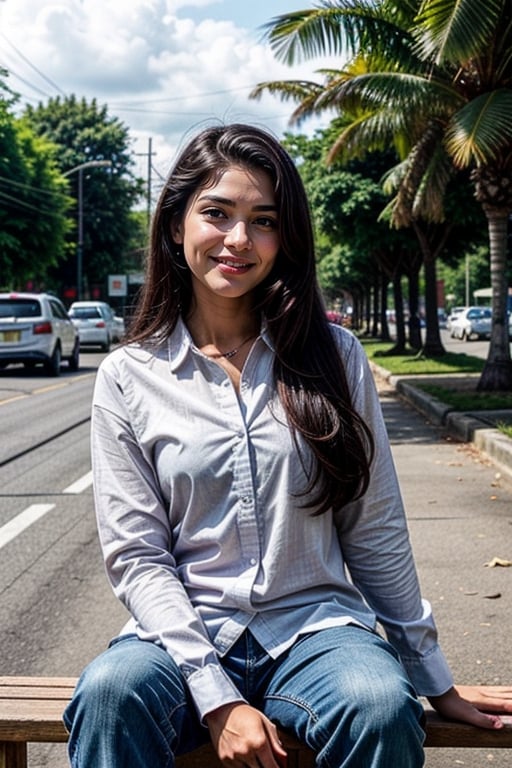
476	427
459	511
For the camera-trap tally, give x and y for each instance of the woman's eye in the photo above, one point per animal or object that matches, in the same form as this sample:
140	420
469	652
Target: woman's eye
267	222
214	213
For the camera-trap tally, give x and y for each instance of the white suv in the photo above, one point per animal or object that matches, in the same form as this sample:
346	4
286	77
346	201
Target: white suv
96	323
35	328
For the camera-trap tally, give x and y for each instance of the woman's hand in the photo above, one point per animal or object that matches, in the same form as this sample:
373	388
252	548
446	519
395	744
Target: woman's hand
488	698
458	704
243	736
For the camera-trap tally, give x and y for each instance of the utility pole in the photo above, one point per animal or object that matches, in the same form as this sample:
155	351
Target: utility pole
80	245
149	154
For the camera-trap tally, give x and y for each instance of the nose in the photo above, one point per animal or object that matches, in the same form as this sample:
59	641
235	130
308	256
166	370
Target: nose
238	236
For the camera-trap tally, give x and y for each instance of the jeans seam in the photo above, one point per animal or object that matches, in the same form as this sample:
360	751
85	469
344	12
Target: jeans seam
323	737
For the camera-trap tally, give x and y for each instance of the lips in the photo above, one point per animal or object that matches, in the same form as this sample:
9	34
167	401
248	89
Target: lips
232	265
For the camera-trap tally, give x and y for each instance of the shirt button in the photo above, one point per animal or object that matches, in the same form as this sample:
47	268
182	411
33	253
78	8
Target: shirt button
253	561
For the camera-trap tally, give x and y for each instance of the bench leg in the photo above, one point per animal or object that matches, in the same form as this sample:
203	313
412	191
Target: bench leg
13	754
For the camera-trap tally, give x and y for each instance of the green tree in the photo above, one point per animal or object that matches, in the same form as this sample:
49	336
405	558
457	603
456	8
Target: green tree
434	77
84	132
33	206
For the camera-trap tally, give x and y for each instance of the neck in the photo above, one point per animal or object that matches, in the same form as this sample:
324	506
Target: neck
222	328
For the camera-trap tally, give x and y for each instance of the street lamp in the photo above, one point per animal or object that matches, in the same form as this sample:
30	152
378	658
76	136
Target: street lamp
80	245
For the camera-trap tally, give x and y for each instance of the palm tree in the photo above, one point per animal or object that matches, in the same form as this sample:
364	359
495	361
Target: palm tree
435	78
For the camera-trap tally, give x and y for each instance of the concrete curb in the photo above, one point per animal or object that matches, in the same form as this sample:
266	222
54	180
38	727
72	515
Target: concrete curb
474	427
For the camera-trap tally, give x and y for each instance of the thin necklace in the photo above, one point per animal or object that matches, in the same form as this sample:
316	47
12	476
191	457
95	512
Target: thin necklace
232	352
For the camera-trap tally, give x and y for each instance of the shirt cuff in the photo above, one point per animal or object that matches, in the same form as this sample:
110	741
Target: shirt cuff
429	674
210	688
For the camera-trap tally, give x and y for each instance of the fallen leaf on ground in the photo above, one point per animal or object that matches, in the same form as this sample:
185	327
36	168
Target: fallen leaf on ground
498	561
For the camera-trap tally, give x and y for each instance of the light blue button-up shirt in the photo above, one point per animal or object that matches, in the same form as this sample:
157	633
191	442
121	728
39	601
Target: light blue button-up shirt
203	532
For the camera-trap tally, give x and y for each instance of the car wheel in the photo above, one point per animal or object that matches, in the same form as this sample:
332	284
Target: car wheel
52	366
106	346
74	360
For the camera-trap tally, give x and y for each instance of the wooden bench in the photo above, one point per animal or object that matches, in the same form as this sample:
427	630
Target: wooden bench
31	711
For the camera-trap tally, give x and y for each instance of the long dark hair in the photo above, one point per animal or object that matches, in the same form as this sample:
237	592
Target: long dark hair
308	370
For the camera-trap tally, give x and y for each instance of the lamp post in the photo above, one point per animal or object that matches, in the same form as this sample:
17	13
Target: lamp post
80	244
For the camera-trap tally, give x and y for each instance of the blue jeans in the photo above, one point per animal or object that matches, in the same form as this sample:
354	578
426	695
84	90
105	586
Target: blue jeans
342	691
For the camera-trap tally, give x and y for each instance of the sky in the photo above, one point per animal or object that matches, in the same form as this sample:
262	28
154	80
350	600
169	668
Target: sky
165	68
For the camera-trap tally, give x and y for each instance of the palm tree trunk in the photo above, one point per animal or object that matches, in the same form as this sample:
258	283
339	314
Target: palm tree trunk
414	305
433	346
384	327
497	373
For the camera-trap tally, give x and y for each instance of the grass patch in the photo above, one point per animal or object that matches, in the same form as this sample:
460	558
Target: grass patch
413	364
505	428
461	395
469	400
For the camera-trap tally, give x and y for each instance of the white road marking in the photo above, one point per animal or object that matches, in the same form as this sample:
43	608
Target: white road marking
79	485
21	522
35	512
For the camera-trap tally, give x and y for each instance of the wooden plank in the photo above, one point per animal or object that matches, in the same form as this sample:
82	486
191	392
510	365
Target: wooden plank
447	733
31	709
13	755
299	756
39	682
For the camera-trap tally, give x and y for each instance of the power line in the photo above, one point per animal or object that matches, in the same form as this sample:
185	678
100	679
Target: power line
27	61
183	98
17	203
26	82
29	188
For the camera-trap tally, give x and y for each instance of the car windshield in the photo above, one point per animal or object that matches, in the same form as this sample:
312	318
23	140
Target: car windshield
473	313
20	308
85	313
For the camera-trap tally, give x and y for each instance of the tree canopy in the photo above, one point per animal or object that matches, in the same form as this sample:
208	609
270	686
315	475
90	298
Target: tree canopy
33	205
83	133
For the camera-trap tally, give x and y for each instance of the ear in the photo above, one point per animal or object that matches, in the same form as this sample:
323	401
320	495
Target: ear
176	232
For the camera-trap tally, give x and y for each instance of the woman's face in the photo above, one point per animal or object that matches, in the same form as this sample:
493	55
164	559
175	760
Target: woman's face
229	233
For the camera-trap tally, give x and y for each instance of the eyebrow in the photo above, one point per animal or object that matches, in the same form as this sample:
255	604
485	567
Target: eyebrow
232	204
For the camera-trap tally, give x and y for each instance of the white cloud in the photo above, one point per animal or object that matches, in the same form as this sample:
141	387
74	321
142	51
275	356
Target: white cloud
161	66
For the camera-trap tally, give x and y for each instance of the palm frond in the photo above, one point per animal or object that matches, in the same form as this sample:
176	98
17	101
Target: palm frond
337	28
417	195
287	90
304	92
429	200
482	130
448	30
407	93
306	34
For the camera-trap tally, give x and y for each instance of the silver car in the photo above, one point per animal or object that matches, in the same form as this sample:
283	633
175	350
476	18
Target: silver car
36	329
472	323
94	321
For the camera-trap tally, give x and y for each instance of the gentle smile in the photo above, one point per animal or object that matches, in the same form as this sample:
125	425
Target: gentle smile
231	264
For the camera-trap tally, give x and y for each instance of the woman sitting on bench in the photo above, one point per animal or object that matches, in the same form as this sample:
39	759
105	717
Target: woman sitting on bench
247	503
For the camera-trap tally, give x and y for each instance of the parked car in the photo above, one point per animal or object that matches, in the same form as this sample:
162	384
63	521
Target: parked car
453	316
36	329
472	322
96	323
118	330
